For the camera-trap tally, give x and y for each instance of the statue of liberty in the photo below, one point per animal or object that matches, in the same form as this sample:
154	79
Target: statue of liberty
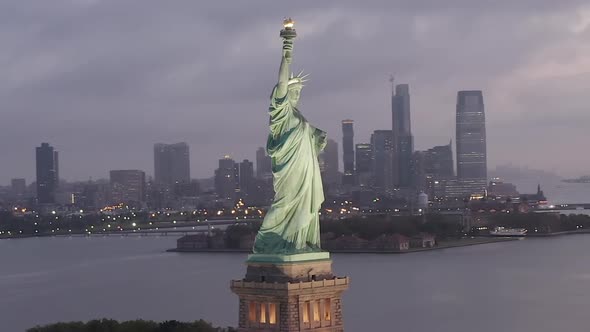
291	225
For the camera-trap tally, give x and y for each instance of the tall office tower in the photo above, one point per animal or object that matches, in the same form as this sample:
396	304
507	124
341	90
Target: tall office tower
438	161
89	196
171	164
471	142
419	178
246	178
226	181
56	167
127	186
263	164
47	177
18	187
348	151
382	143
364	162
402	136
329	163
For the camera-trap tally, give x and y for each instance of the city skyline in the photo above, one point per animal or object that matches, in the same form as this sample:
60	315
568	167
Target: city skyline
68	92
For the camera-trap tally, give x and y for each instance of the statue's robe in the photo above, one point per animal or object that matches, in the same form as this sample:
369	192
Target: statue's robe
292	223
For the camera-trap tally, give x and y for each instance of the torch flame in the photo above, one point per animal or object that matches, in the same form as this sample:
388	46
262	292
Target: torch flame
288	23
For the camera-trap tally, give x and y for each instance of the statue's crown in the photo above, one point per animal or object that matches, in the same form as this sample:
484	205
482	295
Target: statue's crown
299	79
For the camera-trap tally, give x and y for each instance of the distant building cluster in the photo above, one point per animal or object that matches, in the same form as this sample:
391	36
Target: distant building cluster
171	187
387	168
382	173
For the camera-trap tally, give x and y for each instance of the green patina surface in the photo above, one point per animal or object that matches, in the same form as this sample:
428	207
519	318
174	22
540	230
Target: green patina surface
291	225
272	258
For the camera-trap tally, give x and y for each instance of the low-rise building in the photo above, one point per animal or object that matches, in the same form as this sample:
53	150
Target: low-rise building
195	241
423	240
347	242
396	242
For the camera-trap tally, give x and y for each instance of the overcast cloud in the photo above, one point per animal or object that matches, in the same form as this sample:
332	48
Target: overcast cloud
102	80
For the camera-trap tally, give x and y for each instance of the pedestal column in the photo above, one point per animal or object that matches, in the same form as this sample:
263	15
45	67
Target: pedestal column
290	293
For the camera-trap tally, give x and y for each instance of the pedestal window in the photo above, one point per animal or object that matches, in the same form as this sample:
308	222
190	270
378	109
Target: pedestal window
316	311
252	312
306	310
272	313
327	310
262	314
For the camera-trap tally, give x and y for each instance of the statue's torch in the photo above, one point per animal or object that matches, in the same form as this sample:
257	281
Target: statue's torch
288	31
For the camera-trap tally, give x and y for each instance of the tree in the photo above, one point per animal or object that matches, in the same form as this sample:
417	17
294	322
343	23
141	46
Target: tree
109	325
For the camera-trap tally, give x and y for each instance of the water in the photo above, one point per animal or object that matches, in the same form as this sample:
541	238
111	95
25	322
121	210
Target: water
530	285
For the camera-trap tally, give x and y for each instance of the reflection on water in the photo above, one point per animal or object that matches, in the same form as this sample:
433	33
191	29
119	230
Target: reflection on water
531	285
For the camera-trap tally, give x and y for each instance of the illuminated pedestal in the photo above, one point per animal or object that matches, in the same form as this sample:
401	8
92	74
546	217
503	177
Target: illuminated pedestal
285	295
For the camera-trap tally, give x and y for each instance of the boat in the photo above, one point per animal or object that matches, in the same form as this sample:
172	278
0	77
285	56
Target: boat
504	231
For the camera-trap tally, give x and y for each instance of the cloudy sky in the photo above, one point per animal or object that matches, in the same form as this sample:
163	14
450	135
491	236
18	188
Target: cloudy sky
103	80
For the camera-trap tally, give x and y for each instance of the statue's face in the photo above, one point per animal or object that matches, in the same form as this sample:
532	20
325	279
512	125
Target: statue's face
294	94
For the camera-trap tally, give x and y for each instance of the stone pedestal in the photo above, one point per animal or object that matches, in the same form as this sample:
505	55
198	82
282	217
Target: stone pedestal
288	293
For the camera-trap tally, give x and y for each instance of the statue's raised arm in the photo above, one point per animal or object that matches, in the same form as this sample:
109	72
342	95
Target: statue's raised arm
288	34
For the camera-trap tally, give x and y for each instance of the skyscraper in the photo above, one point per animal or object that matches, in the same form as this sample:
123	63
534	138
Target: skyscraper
438	161
171	164
56	167
382	143
329	163
127	186
471	142
47	173
263	164
403	140
433	167
226	181
246	178
419	178
348	151
364	162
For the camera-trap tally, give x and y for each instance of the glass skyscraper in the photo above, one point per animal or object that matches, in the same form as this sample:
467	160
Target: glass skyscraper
329	163
348	151
471	142
364	163
403	141
47	173
382	144
171	164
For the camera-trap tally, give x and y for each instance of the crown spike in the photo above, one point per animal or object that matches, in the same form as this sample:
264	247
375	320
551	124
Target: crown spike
303	78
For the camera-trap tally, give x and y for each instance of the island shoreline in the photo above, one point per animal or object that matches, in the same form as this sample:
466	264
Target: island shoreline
451	244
